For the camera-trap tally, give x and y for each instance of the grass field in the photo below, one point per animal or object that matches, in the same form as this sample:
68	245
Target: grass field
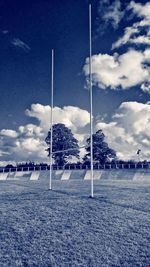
64	227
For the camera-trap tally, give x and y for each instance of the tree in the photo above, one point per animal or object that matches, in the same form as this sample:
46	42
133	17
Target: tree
63	139
101	151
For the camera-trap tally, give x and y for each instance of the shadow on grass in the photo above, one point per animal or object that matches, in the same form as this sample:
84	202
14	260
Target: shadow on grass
125	206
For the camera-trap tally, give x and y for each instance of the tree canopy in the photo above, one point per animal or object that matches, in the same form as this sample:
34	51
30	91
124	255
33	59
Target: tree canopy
63	140
101	151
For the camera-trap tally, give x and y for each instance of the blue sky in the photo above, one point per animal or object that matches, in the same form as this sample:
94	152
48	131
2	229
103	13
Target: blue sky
120	60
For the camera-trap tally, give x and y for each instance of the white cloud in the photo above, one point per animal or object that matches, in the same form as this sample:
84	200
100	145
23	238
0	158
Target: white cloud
31	130
129	130
19	43
129	31
131	37
120	71
72	117
142	11
28	142
4	163
141	40
8	133
146	87
2	153
30	147
133	34
110	13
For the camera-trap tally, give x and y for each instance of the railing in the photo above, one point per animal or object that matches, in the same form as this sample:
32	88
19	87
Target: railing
106	166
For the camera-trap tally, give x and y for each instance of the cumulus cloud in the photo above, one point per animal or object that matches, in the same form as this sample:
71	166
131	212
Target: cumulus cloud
109	13
133	34
72	117
120	71
146	87
8	133
142	11
31	130
27	143
129	130
30	148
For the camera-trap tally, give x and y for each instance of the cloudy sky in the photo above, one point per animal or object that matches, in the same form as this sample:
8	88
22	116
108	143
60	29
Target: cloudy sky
120	68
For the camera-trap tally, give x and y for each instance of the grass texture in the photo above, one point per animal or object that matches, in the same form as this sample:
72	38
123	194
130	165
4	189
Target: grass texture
66	228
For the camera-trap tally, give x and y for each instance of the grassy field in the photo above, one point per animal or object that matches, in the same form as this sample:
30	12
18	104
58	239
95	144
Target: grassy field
64	227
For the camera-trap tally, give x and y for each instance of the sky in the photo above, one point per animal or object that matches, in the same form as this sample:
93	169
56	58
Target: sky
29	30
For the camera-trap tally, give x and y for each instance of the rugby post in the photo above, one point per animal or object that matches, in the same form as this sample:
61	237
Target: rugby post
51	122
91	99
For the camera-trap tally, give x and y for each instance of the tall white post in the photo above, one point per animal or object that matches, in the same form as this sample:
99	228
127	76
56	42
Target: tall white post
51	122
91	99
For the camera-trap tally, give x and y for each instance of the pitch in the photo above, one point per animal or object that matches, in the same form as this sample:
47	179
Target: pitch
64	227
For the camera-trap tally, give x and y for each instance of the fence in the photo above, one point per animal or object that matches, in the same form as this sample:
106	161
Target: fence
78	167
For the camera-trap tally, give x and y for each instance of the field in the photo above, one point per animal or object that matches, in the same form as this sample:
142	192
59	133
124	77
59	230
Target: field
65	227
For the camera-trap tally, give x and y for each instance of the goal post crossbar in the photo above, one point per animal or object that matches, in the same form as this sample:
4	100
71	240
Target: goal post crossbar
69	149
